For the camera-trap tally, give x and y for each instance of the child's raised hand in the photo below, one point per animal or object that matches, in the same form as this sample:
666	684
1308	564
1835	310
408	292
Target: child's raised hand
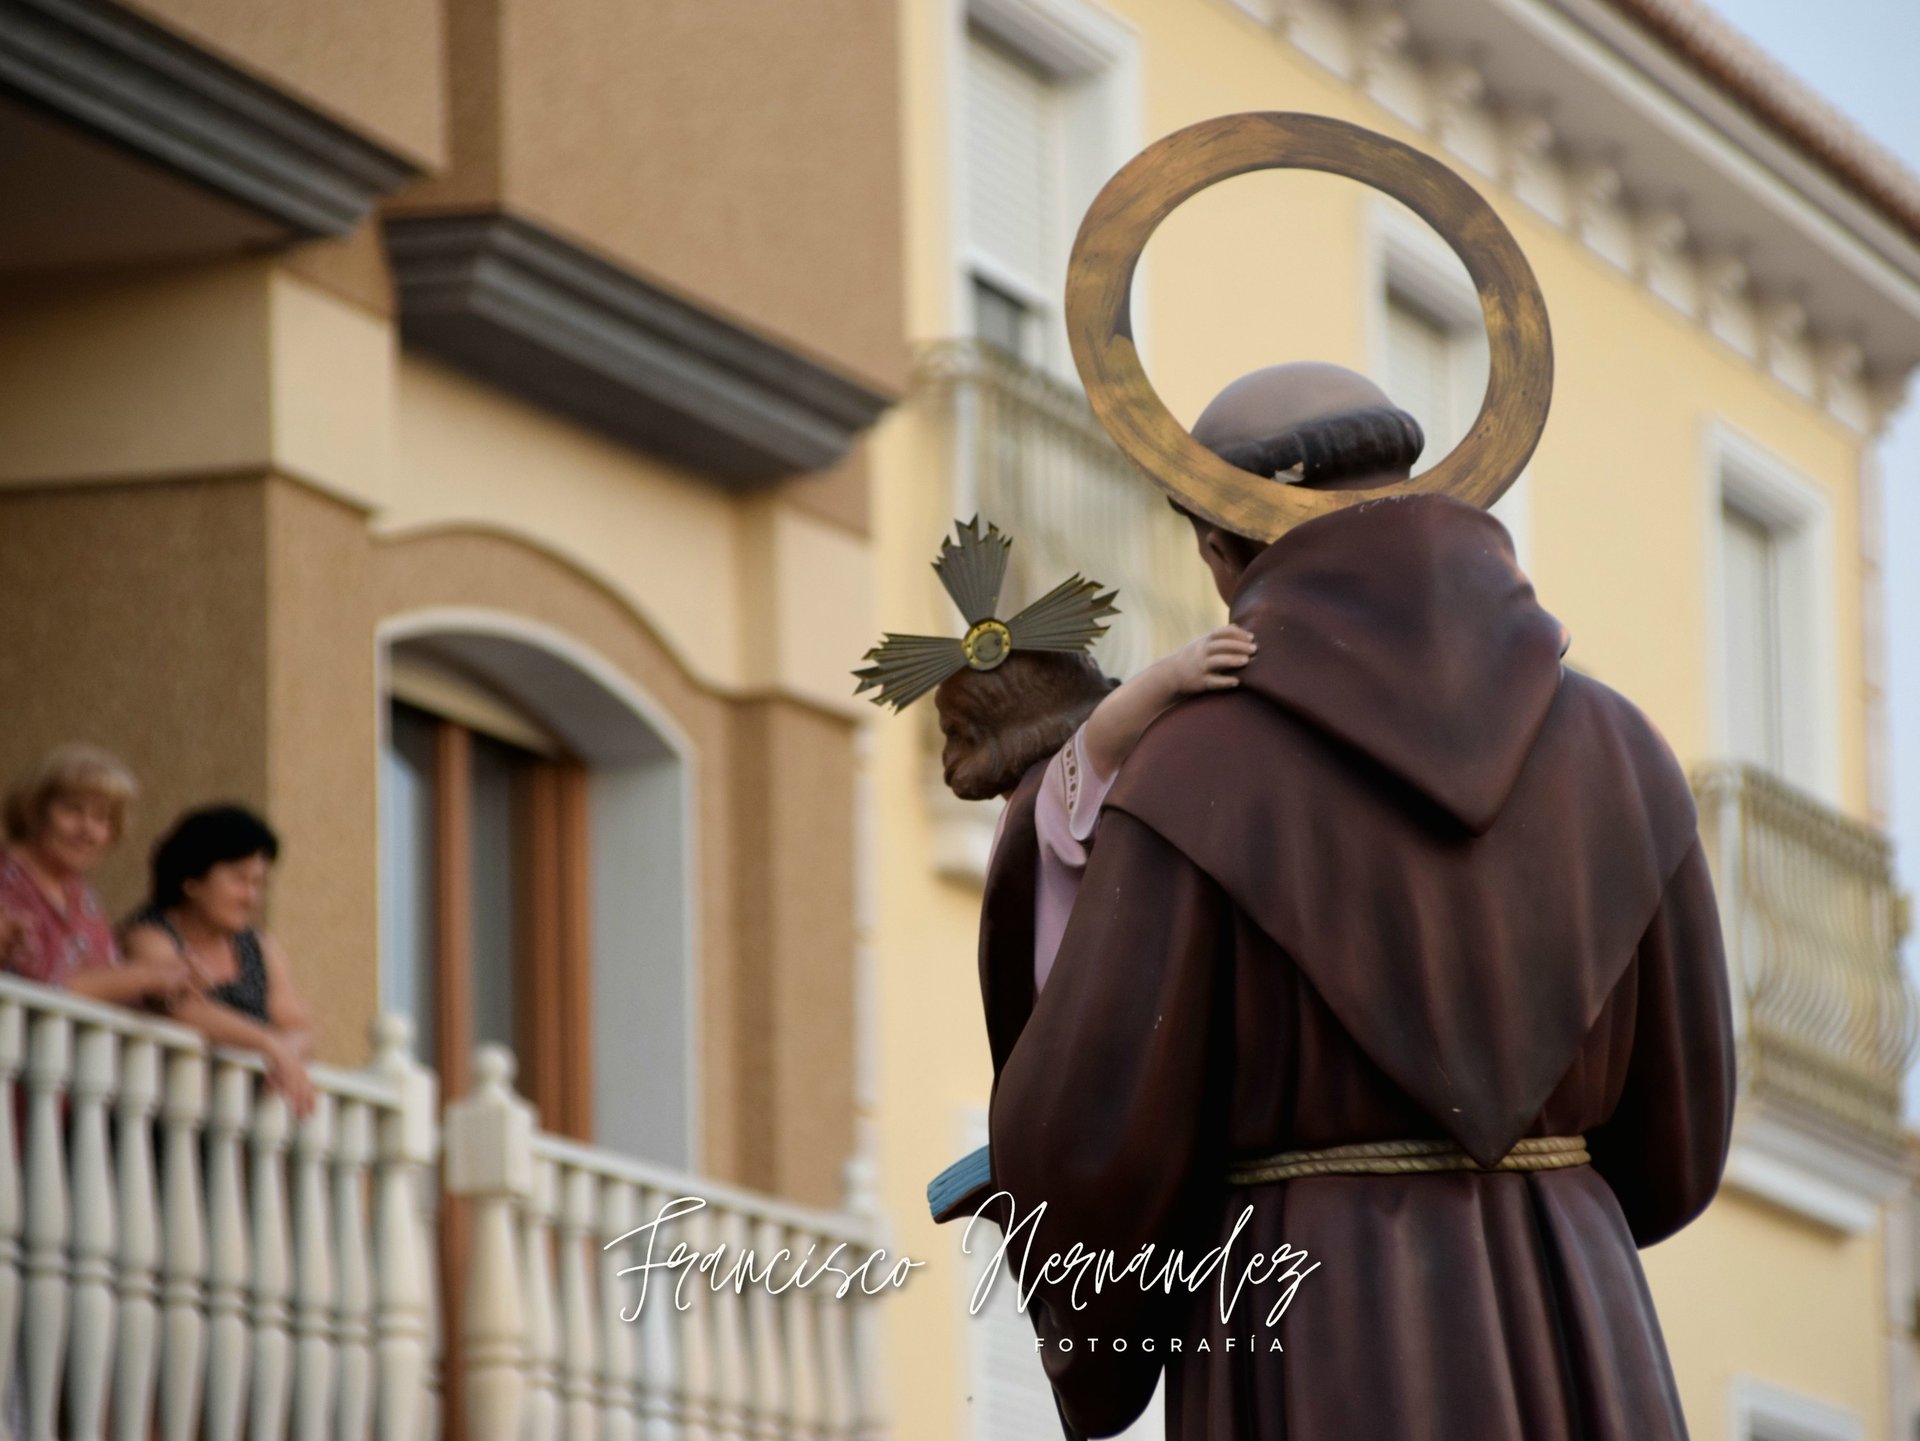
1212	662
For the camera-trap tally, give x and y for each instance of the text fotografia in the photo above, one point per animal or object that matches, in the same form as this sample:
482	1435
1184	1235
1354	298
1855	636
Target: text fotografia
1172	1345
775	1274
1104	1268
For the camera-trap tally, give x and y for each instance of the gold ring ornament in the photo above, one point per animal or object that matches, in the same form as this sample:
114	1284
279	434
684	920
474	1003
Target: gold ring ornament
1491	455
987	644
972	567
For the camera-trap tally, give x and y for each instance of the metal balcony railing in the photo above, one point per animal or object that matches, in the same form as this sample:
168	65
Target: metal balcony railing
1029	456
1813	925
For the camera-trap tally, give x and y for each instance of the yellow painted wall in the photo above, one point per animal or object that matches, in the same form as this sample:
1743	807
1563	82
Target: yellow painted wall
1755	1291
1271	268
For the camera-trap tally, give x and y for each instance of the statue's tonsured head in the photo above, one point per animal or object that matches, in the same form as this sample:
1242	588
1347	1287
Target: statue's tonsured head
1306	423
1310	423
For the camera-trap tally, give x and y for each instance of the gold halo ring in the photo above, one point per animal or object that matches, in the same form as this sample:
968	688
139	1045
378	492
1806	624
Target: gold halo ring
1153	184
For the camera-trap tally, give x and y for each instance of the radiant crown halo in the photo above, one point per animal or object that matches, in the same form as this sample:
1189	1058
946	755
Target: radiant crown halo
972	567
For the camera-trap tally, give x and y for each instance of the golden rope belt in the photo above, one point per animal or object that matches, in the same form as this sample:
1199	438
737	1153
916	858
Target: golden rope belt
1401	1158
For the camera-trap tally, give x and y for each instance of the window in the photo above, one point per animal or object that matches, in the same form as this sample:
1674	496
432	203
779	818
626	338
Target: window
1750	600
1430	350
1777	687
1012	195
1005	321
1045	97
484	863
1435	372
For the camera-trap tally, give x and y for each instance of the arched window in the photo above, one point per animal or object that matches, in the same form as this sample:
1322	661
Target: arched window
535	882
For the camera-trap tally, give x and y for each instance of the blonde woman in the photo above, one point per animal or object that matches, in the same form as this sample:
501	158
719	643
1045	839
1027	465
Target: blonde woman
62	817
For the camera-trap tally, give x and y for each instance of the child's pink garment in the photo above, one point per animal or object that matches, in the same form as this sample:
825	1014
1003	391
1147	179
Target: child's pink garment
1064	813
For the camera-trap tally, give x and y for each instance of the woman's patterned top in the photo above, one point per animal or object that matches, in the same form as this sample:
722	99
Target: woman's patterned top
47	943
246	992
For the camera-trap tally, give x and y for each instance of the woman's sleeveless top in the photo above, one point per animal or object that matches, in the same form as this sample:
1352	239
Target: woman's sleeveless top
246	992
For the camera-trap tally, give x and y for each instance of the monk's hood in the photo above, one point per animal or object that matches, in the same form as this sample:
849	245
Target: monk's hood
1404	628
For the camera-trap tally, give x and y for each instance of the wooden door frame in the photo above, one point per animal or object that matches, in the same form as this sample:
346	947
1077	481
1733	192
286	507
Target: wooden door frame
552	977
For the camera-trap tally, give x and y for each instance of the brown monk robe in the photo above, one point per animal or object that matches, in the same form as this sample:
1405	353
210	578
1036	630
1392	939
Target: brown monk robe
1412	880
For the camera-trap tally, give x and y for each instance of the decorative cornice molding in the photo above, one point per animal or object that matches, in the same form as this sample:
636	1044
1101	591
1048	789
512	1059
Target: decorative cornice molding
1840	372
524	309
1529	140
1663	238
1784	343
127	79
1615	205
1380	36
1596	186
1458	88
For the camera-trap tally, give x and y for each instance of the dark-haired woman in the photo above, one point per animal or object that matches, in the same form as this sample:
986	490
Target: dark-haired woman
209	883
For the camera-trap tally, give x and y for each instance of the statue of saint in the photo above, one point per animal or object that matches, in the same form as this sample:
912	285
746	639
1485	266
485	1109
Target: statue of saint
1398	955
1401	953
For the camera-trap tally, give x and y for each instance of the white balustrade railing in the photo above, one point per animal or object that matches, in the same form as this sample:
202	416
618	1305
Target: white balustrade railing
558	1343
180	1257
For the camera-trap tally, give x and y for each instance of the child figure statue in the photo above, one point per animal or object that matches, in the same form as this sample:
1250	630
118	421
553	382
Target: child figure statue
998	725
1026	714
1041	700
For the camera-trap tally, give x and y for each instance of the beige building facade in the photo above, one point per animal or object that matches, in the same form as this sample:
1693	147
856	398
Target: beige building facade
495	370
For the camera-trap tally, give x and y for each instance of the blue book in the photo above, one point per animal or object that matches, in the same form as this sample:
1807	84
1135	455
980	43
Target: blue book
959	1190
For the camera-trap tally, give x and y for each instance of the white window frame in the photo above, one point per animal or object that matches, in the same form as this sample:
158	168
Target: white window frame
1785	1415
1405	258
1094	57
1744	475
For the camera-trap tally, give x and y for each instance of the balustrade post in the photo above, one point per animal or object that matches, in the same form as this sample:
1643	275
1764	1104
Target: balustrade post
806	1408
137	1323
405	1150
489	1155
727	1307
227	1349
426	1196
313	1288
90	1330
666	1404
353	1313
542	1341
695	1379
12	1049
771	1392
183	1260
272	1281
49	1059
579	1316
870	1421
620	1398
834	1323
